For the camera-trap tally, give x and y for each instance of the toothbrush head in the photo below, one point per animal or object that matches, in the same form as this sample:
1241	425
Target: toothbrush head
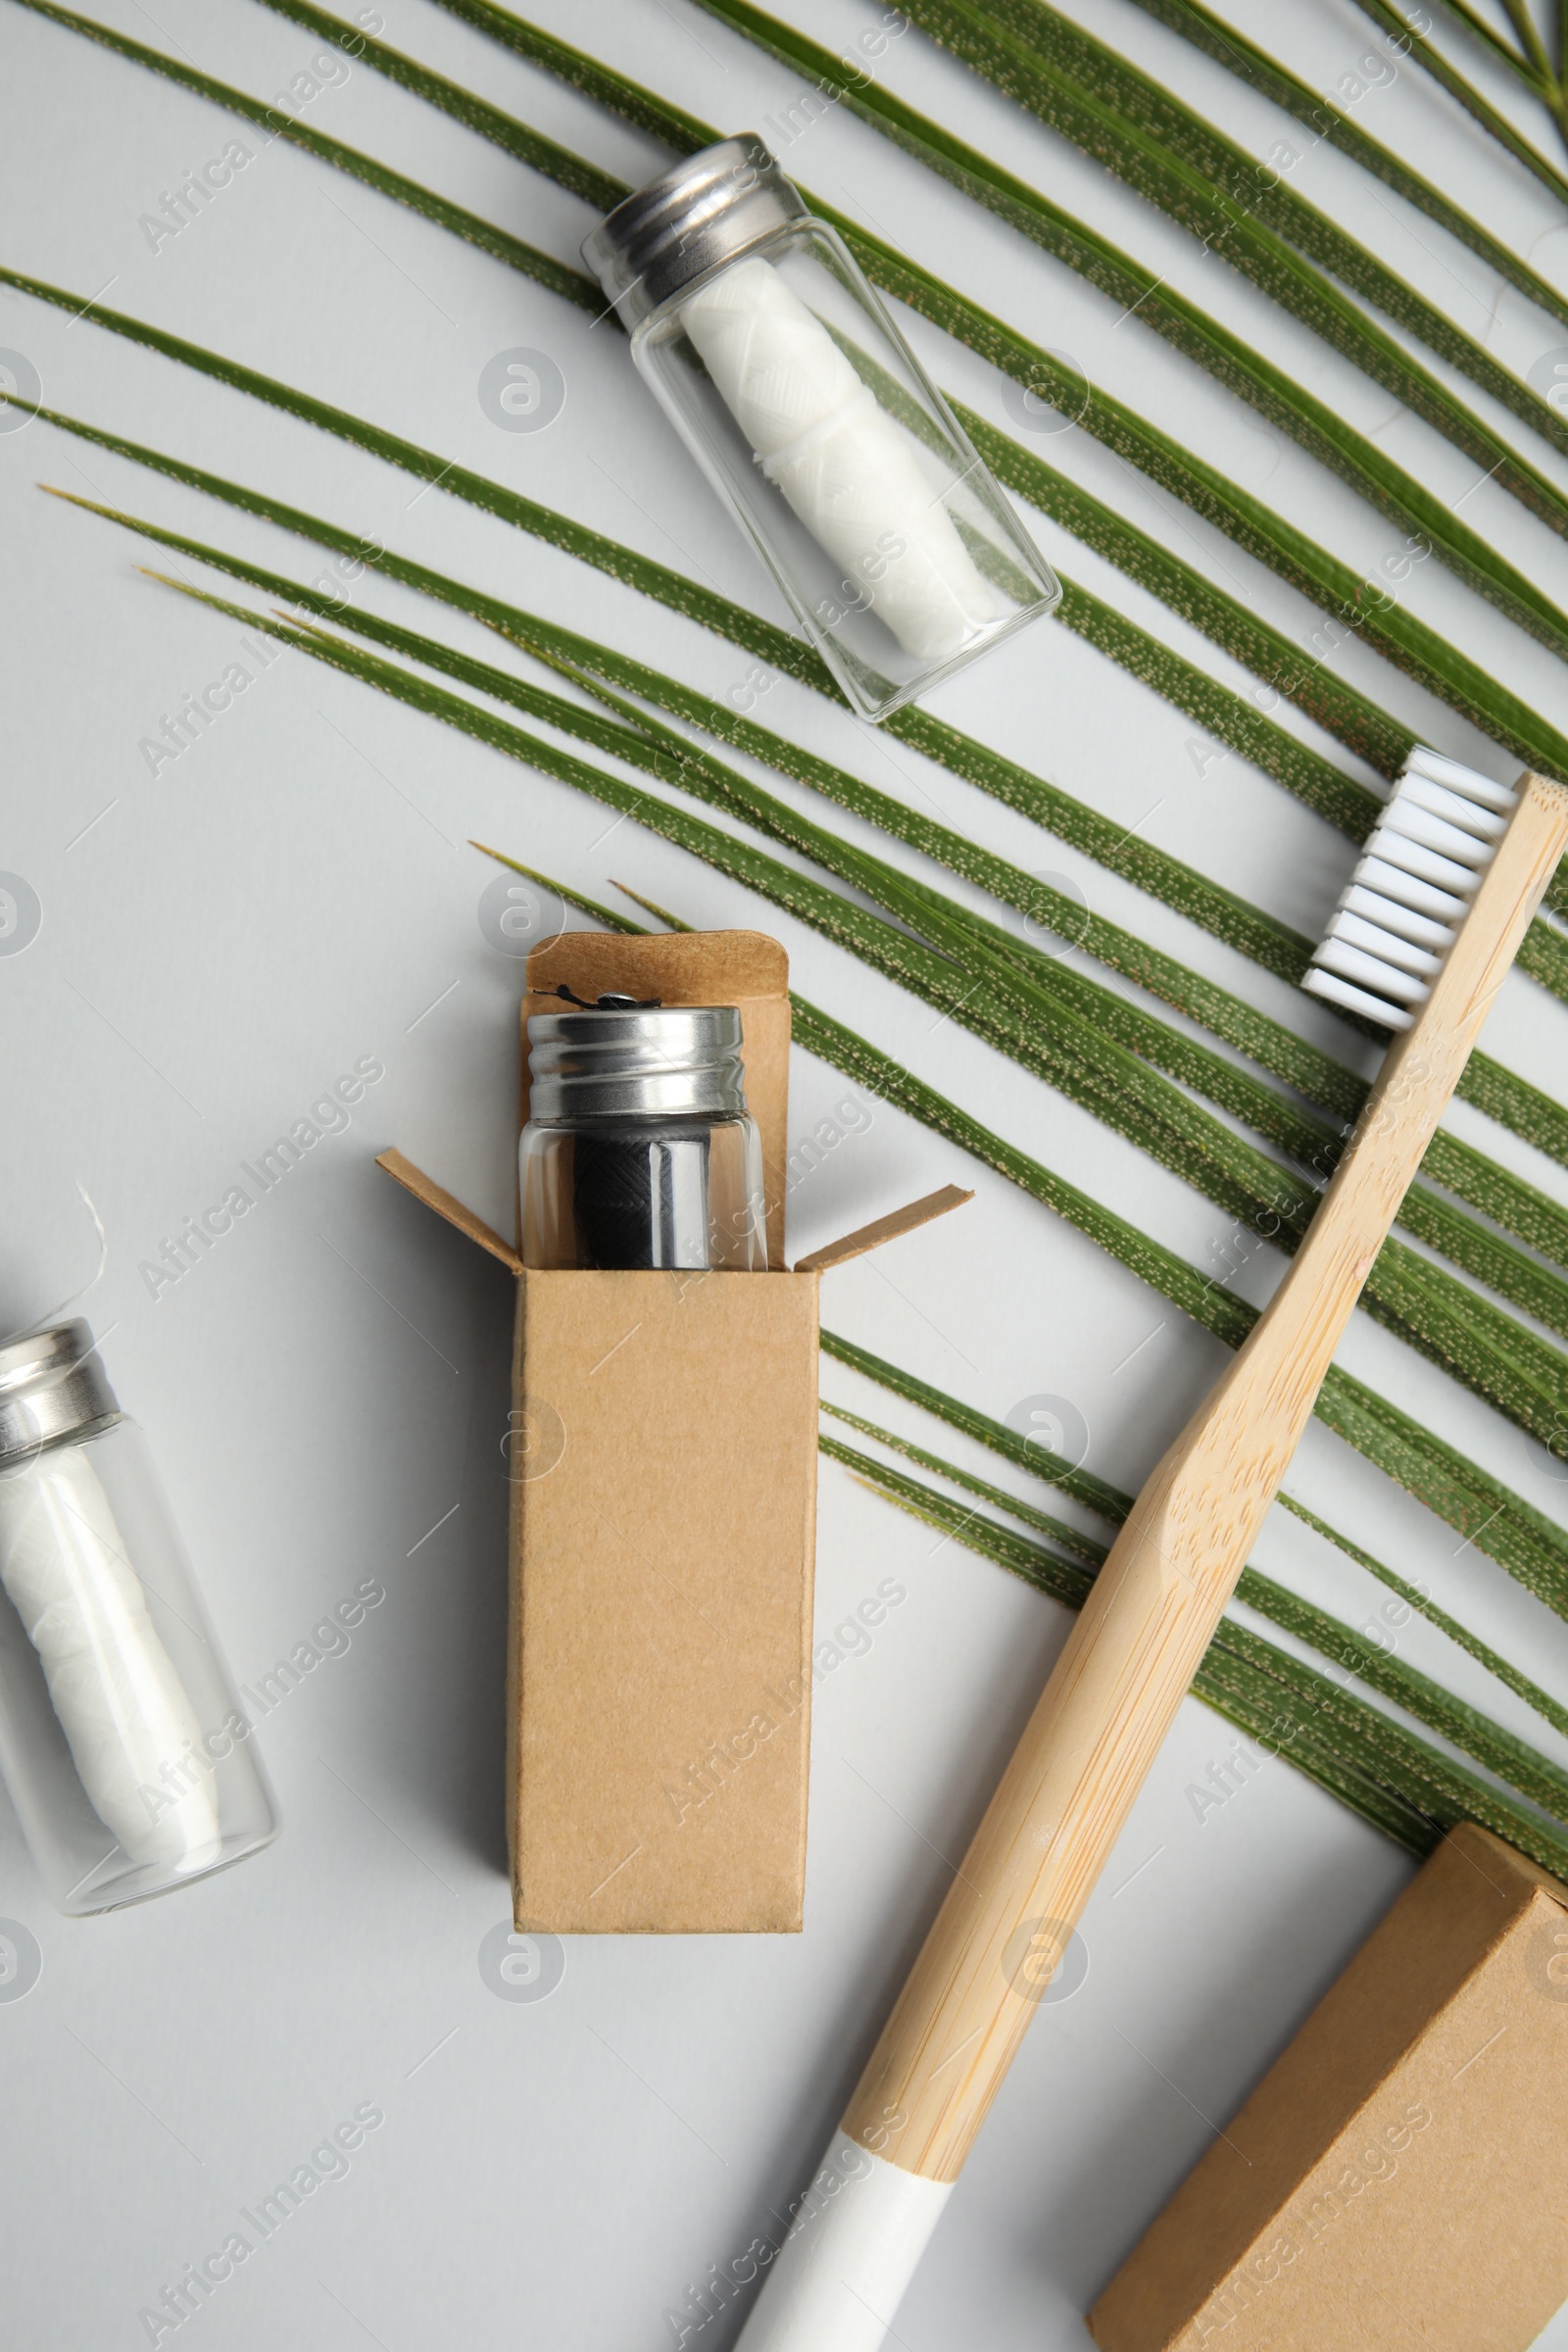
1407	897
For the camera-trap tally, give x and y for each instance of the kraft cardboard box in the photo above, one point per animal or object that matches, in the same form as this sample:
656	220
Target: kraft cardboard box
1400	2175
663	1453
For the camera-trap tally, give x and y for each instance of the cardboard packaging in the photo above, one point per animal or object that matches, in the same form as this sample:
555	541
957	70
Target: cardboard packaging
1400	2175
662	1454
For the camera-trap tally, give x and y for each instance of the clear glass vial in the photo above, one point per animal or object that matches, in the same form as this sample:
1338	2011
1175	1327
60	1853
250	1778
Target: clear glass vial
816	425
122	1742
639	1150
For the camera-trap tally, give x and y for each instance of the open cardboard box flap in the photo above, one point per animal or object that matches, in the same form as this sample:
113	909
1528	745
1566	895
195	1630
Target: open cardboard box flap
890	1228
661	1449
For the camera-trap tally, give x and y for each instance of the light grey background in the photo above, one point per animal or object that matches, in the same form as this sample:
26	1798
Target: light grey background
329	1385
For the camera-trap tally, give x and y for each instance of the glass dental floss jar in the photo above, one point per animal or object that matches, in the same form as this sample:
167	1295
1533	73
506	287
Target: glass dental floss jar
811	418
122	1742
639	1150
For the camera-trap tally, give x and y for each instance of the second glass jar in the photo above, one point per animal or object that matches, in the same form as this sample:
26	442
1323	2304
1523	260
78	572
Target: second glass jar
126	1753
790	384
639	1151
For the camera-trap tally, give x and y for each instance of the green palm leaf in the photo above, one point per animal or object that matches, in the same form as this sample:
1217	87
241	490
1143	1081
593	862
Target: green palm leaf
1262	72
1098	1494
1308	1071
1360	1753
1355	602
1223	713
1341	708
1334	705
1241	1683
1498	1092
1058	1025
1270	390
1486	1512
1287	674
1354	605
1253	220
1108	1054
1029	1456
1500	1751
1394	1797
570	284
1433	62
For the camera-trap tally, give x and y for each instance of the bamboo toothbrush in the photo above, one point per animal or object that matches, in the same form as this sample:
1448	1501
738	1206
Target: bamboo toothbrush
1420	943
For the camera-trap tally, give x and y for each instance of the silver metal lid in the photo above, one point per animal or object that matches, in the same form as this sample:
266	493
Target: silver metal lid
711	207
52	1383
637	1061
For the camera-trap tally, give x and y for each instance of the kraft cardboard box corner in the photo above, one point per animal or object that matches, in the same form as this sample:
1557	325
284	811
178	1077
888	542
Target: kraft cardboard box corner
663	1449
1400	2173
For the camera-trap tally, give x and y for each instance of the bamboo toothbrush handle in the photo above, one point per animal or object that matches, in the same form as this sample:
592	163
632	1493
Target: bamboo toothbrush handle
1157	1601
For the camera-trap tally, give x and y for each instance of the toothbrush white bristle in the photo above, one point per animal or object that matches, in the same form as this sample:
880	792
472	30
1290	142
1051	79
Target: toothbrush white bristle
1410	893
